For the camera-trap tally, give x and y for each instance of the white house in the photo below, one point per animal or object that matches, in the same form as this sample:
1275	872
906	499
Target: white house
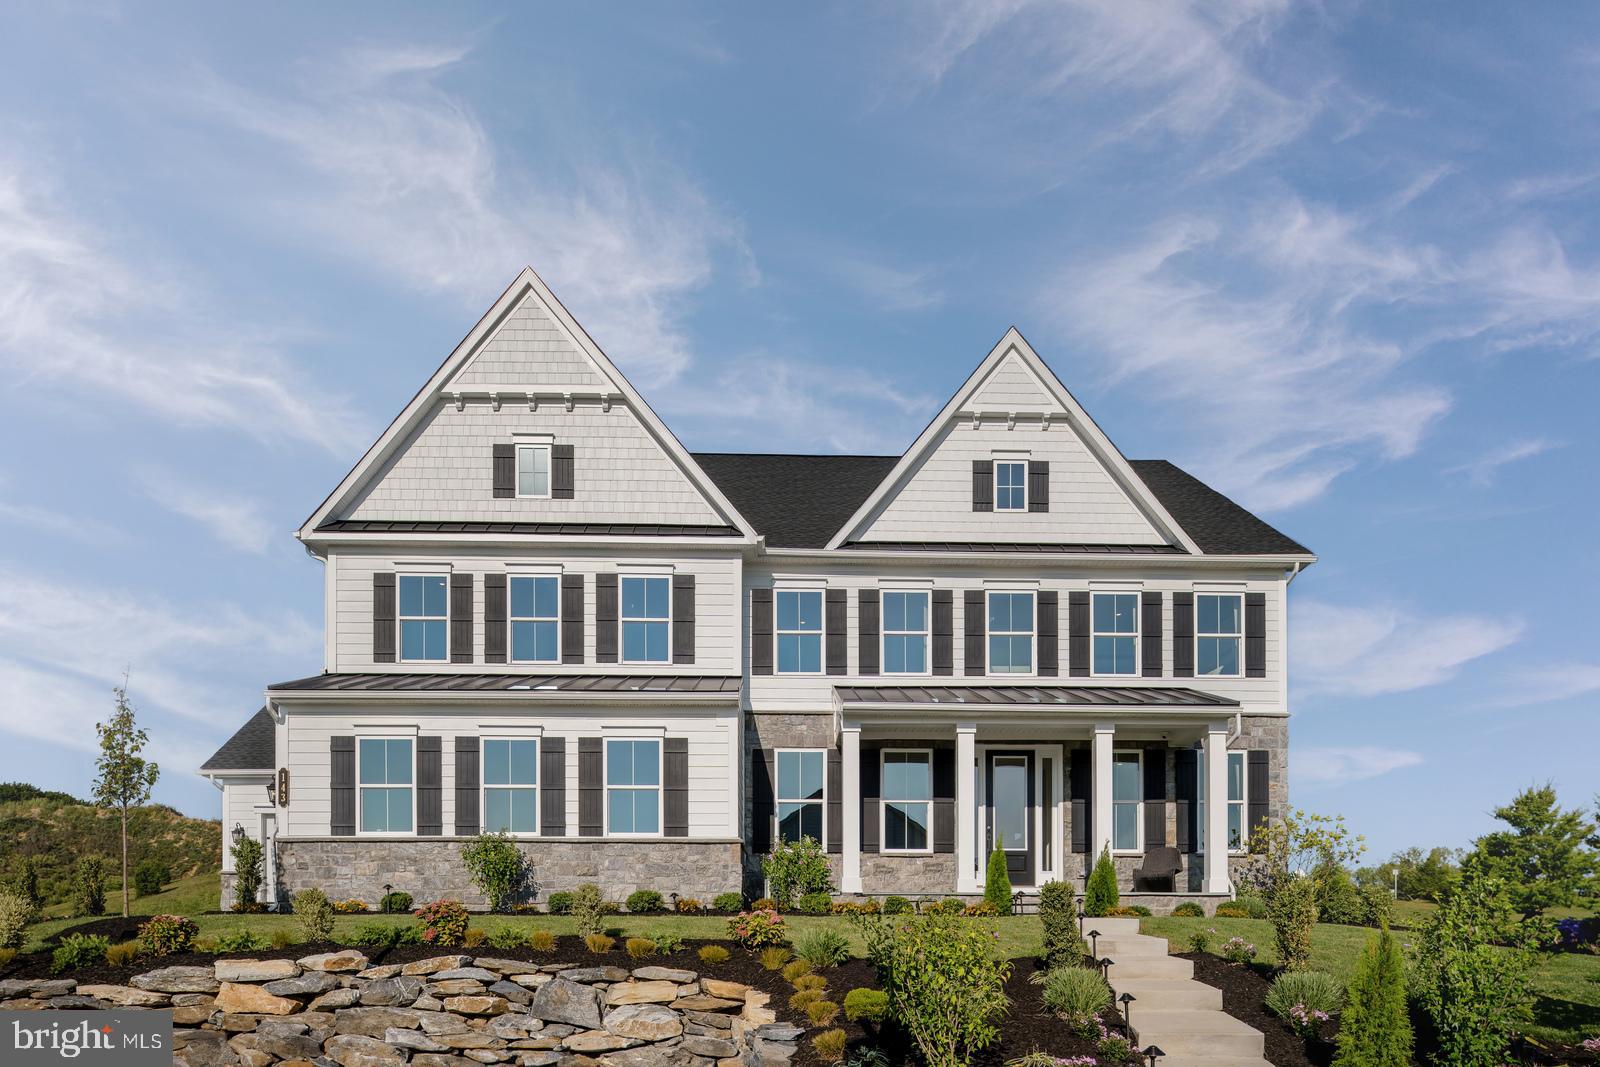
545	616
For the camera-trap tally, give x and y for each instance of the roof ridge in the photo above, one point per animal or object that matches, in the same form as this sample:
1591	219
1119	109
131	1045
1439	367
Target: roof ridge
801	455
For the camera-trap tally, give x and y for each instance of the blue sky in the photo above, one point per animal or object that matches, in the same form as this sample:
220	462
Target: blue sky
1340	261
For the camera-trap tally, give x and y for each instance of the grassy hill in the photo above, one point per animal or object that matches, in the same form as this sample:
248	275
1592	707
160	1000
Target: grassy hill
56	829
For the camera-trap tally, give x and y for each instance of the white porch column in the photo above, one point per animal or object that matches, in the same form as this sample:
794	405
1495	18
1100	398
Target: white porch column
1104	734
966	809
850	805
1216	772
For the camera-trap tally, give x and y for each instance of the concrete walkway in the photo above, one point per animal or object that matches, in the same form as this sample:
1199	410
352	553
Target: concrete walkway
1182	1017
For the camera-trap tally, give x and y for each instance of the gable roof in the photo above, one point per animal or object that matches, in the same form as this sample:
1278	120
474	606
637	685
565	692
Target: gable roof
1217	524
251	748
796	501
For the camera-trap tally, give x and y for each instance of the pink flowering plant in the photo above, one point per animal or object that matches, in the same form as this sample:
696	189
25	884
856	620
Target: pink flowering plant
758	929
443	922
1238	950
1306	1021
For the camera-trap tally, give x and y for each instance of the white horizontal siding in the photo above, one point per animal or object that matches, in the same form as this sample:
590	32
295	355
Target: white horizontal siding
241	797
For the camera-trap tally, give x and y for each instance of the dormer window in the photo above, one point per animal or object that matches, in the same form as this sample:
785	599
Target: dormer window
533	471
1010	485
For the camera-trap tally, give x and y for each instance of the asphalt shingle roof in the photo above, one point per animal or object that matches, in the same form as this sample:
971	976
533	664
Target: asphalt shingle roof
622	684
1217	524
251	748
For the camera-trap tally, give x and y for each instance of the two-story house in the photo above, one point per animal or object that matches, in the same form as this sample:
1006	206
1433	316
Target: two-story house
546	617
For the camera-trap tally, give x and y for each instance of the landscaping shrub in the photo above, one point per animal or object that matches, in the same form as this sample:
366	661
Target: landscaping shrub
979	909
946	985
1200	940
1238	950
757	929
395	903
764	904
801	999
1114	1048
822	1012
122	955
713	955
774	958
508	937
1311	991
829	1045
26	882
667	944
997	884
497	868
1377	905
1189	910
1058	914
1077	994
560	903
149	877
246	874
442	923
315	913
823	948
375	934
16	912
811	981
588	909
644	901
1338	899
690	906
240	941
350	906
856	907
1232	911
1252	905
475	937
728	902
599	944
794	970
77	951
814	904
897	906
948	906
7	955
89	887
1130	911
796	869
280	938
865	1005
1292	909
542	941
1100	892
1375	1029
640	947
162	935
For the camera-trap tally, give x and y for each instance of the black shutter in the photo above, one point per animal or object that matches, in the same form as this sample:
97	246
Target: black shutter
1257	770
973	624
760	631
591	790
683	618
675	787
461	618
1078	633
553	786
1155	797
605	618
836	623
342	778
562	474
835	811
869	799
505	471
430	787
944	625
572	616
1183	635
383	617
944	800
867	604
466	786
1150	631
1188	799
762	774
1255	635
1081	783
1038	485
1048	634
494	618
982	485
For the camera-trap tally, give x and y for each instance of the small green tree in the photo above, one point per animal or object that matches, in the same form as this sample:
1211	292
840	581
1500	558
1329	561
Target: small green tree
315	912
497	868
1292	910
26	883
125	777
1100	892
1058	914
150	876
796	869
997	884
246	873
89	887
1544	860
1375	1028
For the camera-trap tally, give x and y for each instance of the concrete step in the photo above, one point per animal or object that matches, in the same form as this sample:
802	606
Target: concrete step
1111	926
1150	967
1202	1060
1160	993
1182	1032
1130	945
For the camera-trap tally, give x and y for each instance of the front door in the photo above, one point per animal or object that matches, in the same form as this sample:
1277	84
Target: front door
1010	792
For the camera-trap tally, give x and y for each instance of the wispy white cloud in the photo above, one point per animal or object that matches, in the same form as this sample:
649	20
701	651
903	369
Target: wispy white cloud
238	521
1374	649
78	528
1314	765
1483	470
1549	683
887	287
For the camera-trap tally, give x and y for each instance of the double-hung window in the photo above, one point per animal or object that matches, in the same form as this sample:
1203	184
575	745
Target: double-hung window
1116	629
424	613
799	631
1010	633
633	786
905	633
646	614
511	785
1236	773
800	795
535	618
533	470
1010	485
384	774
1127	808
1218	633
907	788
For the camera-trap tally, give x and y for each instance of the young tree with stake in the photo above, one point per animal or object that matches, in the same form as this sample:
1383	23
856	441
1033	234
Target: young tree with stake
125	777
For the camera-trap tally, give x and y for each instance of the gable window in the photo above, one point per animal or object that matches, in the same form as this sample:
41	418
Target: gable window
1116	628
511	785
800	795
799	631
907	788
905	633
533	470
633	786
1218	633
384	775
1010	485
423	616
1010	633
646	612
1127	806
535	619
1236	775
